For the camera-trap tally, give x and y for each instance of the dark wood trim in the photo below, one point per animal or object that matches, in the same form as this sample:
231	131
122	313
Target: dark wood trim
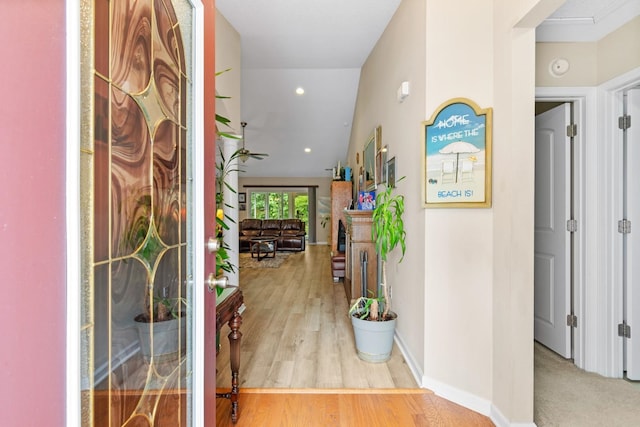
228	311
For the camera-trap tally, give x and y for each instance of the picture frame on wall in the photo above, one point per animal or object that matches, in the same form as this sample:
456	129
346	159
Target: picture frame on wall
242	197
391	172
369	162
456	156
381	165
366	200
359	182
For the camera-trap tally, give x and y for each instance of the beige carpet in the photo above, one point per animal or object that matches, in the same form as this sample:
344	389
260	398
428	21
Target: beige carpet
246	261
568	396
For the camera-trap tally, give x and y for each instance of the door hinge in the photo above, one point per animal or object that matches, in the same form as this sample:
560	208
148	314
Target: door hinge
624	330
624	226
572	320
572	225
624	122
572	130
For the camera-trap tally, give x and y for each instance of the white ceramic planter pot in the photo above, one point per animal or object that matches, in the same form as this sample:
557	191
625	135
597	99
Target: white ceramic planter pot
374	340
169	337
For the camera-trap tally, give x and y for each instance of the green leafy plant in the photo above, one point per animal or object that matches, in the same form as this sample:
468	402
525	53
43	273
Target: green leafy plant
388	233
222	119
223	168
367	308
164	308
168	308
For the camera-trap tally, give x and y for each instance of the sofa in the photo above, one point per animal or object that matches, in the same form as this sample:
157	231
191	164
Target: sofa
290	233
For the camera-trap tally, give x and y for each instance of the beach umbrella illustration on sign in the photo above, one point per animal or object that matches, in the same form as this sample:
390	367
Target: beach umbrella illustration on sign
457	148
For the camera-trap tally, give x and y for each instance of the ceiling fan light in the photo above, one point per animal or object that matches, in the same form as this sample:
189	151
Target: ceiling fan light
244	153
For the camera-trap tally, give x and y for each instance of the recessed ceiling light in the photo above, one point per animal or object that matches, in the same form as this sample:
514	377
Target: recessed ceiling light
300	91
307	150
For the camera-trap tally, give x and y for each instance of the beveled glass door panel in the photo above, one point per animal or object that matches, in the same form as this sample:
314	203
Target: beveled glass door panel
136	333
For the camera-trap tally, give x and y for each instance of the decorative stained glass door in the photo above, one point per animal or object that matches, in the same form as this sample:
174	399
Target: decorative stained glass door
138	166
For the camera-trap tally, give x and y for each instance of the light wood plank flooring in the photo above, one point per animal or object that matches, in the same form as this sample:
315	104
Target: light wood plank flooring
299	365
296	332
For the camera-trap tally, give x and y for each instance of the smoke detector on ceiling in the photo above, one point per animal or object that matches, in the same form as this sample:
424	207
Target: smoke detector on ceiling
558	67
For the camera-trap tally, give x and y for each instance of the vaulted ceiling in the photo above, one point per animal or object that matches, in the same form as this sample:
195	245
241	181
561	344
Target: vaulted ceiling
320	46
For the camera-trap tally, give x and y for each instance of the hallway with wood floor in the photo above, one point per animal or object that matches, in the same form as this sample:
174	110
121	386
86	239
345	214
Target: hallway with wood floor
298	364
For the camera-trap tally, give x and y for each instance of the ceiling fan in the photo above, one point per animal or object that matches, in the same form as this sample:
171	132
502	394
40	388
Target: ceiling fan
245	154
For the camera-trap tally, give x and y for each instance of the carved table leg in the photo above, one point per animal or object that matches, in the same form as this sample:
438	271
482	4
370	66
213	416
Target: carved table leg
234	348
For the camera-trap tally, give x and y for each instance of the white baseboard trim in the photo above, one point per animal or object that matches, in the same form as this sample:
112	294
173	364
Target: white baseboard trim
468	400
408	357
501	421
471	401
465	399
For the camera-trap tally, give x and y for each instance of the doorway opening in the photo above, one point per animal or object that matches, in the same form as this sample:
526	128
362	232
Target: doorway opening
603	251
560	222
628	241
553	276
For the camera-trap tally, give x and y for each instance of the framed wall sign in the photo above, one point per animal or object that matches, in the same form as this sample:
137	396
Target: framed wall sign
456	156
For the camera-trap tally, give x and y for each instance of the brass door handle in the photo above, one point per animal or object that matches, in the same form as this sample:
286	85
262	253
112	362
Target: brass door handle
213	245
222	282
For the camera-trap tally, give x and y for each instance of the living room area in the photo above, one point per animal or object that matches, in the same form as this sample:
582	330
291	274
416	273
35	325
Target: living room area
296	295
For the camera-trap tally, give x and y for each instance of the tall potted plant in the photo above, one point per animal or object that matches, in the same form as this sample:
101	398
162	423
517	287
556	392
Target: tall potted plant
372	318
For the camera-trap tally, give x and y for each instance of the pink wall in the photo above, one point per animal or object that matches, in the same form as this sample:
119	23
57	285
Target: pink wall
32	213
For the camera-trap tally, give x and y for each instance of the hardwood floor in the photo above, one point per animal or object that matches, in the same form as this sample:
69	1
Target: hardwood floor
299	365
296	332
348	408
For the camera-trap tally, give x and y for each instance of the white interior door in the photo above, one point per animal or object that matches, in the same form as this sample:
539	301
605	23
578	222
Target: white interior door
633	239
552	245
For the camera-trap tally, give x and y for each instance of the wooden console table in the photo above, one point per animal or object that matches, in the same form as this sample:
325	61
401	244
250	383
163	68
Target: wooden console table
228	311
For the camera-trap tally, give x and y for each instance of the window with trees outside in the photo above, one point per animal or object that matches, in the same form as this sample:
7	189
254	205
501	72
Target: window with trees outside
283	204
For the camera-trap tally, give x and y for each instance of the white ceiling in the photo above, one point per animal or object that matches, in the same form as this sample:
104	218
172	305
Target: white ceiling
321	45
586	20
